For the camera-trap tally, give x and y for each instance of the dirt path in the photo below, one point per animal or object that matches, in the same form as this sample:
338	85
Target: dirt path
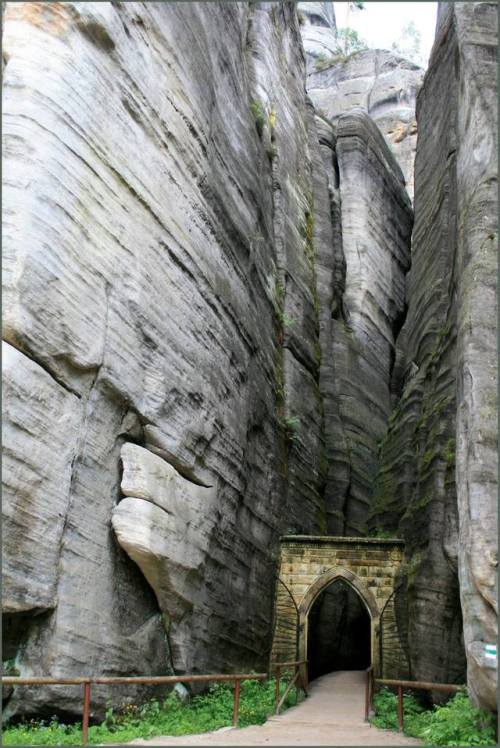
333	714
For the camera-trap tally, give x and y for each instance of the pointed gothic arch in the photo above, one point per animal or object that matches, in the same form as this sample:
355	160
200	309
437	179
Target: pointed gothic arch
320	584
310	563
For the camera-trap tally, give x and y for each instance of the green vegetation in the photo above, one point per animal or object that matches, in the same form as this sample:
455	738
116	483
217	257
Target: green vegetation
449	453
271	152
386	711
322	61
309	234
411	567
272	121
9	668
209	711
382	534
409	44
259	115
458	722
290	426
284	319
349	42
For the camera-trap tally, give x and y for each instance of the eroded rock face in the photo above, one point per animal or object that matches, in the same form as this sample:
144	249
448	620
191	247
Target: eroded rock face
205	282
361	304
383	84
154	255
165	524
318	29
438	458
477	253
40	427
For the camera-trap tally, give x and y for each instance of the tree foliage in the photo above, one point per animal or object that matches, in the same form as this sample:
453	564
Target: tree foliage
409	44
349	41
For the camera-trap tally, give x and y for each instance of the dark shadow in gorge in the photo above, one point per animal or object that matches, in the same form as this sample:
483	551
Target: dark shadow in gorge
338	632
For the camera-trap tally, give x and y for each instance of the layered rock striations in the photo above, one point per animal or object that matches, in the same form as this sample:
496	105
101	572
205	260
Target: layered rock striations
437	485
382	83
318	29
158	291
361	294
205	292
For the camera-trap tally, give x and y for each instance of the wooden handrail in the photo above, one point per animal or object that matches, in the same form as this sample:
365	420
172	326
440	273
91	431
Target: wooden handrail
287	691
417	685
152	679
298	676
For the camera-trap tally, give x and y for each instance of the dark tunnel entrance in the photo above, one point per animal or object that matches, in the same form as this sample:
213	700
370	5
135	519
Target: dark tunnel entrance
339	631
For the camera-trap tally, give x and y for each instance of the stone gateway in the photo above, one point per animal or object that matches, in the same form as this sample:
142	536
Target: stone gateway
309	565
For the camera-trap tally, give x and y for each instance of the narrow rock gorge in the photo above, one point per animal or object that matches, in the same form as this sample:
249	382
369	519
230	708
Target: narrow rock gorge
225	321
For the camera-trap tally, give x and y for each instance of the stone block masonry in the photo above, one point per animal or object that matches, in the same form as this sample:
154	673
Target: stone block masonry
309	564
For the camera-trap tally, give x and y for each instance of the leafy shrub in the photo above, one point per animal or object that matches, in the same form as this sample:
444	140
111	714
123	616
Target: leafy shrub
291	426
203	713
457	722
386	709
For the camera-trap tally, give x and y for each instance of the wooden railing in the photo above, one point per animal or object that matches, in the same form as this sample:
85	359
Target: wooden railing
149	680
414	684
298	677
164	680
368	691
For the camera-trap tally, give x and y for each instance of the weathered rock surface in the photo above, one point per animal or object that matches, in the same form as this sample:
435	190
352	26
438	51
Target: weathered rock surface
41	422
383	84
165	524
318	29
154	255
206	283
439	448
477	252
361	295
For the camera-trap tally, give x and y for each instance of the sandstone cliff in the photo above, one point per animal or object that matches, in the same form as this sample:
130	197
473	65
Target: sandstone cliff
160	292
205	285
361	293
438	477
318	29
383	84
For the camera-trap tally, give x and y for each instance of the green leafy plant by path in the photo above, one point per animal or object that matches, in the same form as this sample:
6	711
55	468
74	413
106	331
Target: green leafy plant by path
206	712
457	722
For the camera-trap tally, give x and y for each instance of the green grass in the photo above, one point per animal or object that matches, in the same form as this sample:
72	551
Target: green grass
209	711
457	722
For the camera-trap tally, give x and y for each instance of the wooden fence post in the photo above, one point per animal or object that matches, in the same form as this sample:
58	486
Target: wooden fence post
236	702
400	708
86	713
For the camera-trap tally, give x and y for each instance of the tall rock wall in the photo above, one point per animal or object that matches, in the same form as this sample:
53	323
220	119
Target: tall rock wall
382	83
437	485
159	292
318	29
361	293
209	322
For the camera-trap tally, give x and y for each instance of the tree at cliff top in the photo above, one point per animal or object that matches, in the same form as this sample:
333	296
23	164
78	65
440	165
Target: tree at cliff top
349	42
409	44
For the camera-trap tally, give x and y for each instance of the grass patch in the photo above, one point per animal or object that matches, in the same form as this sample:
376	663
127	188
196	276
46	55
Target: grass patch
206	712
458	722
